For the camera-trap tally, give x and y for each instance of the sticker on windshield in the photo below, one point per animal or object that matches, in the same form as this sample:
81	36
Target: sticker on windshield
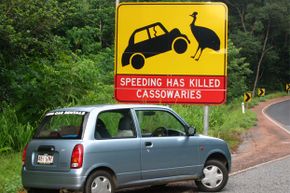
66	113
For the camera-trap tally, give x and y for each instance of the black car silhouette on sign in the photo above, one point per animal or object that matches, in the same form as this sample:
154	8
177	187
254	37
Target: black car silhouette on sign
152	40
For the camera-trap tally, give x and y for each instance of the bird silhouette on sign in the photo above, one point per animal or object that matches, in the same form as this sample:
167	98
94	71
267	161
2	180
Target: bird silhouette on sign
205	37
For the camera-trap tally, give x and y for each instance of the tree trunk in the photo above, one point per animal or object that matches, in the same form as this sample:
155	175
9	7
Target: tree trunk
241	13
264	51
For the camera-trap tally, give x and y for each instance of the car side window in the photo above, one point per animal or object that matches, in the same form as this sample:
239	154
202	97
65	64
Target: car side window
157	123
115	124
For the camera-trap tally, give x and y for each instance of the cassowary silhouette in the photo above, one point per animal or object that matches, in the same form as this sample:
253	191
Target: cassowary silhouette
205	37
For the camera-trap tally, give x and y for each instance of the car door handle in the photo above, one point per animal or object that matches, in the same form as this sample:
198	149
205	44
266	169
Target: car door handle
148	144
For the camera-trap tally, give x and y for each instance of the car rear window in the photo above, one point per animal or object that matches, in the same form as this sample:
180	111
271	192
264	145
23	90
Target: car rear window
61	125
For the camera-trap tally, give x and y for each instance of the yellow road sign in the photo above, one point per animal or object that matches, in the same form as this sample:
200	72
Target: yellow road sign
261	92
171	52
152	30
287	88
247	97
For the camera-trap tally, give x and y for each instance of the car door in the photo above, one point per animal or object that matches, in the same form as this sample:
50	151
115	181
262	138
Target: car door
166	150
117	145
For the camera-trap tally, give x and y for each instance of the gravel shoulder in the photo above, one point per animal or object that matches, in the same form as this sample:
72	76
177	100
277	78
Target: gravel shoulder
262	143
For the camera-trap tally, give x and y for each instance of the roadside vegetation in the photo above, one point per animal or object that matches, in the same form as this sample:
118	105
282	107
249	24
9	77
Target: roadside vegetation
225	121
10	168
61	53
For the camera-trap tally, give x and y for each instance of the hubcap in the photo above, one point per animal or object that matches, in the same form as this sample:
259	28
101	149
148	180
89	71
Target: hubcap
101	184
213	176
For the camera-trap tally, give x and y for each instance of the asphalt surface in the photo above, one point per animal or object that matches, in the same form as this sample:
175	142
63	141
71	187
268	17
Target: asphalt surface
271	178
281	113
178	187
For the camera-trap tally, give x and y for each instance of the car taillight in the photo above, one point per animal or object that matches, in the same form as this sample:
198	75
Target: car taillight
24	155
77	157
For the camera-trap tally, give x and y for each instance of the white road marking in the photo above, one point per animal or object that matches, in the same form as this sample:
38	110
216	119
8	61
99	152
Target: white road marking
259	165
268	162
272	120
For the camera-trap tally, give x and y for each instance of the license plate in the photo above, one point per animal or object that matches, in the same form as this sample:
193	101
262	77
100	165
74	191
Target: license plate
45	159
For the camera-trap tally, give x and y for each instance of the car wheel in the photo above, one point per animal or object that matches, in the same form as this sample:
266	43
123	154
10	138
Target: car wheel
137	61
37	190
179	45
100	182
215	177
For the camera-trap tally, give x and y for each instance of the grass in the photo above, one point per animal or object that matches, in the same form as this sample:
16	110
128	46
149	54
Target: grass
13	135
225	121
257	100
234	127
10	169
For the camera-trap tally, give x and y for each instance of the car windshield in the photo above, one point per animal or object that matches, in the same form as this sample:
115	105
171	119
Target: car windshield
61	125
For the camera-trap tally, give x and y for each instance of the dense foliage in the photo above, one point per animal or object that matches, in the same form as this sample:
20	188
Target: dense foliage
61	52
261	28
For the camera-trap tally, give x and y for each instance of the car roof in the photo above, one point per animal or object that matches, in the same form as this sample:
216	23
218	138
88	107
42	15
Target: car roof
90	108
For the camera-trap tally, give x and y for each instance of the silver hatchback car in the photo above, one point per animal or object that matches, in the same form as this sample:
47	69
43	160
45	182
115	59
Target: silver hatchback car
104	148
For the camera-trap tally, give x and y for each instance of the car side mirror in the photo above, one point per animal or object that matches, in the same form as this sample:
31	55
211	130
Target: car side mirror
191	131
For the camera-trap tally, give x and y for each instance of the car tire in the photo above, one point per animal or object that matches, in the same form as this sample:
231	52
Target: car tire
100	182
215	177
38	190
137	61
179	45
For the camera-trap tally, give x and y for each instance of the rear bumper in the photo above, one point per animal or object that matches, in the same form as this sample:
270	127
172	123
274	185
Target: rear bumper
52	180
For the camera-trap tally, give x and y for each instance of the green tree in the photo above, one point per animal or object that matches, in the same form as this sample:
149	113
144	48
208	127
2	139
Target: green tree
25	34
261	29
238	71
89	24
54	53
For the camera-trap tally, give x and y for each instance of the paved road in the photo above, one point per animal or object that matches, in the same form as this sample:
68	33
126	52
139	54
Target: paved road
281	113
271	178
178	187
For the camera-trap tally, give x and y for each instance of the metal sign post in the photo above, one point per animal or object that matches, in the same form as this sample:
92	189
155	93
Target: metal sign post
205	120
